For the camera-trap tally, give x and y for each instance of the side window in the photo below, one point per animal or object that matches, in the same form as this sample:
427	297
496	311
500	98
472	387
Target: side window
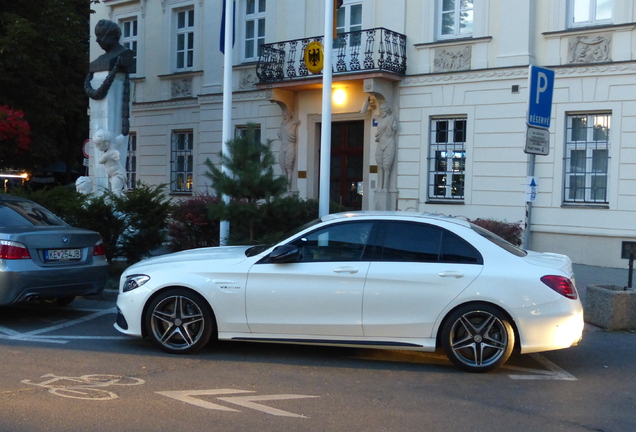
457	250
411	242
341	242
418	242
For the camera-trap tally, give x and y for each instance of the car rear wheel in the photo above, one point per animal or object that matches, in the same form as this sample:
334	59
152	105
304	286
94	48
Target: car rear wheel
478	338
179	321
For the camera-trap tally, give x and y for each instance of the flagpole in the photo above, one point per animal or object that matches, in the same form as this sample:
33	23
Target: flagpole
224	229
325	130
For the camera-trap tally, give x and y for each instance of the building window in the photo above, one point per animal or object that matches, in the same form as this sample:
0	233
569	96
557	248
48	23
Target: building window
129	36
181	161
349	20
241	131
185	39
254	28
447	160
455	18
590	12
587	158
131	162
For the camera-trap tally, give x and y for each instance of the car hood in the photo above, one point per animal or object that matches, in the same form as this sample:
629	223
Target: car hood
551	260
228	253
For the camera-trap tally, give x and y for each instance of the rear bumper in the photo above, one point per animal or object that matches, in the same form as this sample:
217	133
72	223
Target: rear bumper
36	282
551	326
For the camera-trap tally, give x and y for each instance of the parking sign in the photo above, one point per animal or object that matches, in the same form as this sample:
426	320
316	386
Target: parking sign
540	97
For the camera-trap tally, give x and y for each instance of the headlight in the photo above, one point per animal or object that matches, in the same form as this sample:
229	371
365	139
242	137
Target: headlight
135	281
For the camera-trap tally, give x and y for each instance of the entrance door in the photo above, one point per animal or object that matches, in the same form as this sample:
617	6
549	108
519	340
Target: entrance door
347	149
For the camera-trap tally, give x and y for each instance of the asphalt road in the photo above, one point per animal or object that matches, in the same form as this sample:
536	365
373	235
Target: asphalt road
67	369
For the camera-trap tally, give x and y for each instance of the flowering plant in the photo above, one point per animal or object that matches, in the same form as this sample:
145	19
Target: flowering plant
14	130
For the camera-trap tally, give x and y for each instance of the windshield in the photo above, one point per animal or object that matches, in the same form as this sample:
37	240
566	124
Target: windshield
255	250
26	213
499	241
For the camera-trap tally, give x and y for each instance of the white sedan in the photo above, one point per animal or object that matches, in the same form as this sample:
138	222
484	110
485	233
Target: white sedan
392	280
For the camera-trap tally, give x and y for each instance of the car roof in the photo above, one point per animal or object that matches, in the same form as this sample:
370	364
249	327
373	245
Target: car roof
5	197
396	215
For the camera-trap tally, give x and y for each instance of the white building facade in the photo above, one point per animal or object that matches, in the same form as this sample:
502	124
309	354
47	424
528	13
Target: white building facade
451	75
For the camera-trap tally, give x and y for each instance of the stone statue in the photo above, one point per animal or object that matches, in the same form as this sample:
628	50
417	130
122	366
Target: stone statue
287	135
110	158
107	35
116	59
386	139
84	185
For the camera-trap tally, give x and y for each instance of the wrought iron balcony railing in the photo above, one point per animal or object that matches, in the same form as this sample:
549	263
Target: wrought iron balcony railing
376	49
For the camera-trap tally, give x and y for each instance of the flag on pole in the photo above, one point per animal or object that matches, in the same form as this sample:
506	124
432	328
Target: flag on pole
336	6
222	43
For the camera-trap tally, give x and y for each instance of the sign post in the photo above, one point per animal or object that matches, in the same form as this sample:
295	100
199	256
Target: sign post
541	88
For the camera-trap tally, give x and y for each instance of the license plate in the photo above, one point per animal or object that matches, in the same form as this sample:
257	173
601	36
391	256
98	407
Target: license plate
62	254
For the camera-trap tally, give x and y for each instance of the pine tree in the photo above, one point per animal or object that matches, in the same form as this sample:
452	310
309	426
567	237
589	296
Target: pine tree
250	181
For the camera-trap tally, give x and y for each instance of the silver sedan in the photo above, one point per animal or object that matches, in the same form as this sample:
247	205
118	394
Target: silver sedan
43	258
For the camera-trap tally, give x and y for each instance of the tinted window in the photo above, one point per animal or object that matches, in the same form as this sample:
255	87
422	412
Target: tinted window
499	241
21	213
417	242
411	242
458	250
341	242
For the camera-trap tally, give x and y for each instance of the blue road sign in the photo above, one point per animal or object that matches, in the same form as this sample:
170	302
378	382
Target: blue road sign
540	97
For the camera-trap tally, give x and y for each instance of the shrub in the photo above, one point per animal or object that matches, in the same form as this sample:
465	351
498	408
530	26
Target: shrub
509	231
145	211
192	225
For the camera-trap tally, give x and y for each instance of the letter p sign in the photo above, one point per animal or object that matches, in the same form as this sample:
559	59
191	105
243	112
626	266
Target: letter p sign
541	84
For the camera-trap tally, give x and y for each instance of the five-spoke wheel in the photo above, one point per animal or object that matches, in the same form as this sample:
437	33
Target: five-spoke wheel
179	321
478	338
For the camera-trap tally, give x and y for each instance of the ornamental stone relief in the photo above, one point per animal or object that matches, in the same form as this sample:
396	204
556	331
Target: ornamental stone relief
452	59
247	80
590	48
181	88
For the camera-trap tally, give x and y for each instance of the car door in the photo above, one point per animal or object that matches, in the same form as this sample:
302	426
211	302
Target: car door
417	270
320	293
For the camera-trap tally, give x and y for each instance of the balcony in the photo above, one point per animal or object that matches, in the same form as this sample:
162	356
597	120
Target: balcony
374	50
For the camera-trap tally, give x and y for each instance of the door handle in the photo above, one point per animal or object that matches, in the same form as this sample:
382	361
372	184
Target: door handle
346	269
450	273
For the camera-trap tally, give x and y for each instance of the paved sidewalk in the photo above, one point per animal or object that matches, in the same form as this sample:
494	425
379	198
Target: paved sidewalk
593	275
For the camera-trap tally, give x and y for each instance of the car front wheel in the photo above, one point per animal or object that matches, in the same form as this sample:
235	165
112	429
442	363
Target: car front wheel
179	321
478	338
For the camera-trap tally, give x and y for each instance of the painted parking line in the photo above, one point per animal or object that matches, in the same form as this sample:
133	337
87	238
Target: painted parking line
554	372
39	336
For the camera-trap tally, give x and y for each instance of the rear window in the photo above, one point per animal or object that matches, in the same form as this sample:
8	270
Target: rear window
25	213
499	241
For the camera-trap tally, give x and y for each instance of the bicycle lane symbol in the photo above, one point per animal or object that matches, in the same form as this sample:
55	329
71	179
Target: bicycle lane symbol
88	387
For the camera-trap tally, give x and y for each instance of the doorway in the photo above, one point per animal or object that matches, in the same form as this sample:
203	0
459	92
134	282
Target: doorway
347	162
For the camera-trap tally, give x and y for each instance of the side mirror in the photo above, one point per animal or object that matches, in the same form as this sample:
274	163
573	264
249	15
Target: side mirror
284	254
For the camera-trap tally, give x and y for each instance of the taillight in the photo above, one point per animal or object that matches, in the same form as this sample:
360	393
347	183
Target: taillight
99	249
13	250
562	285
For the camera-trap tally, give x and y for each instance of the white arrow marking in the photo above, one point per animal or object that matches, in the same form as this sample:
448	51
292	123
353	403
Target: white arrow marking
555	373
248	402
186	396
244	401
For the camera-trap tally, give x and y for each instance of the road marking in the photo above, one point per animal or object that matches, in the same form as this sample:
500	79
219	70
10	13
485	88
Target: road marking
36	335
248	402
87	387
554	372
244	401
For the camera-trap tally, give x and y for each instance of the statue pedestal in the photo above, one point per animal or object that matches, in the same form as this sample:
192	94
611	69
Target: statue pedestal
106	114
385	200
